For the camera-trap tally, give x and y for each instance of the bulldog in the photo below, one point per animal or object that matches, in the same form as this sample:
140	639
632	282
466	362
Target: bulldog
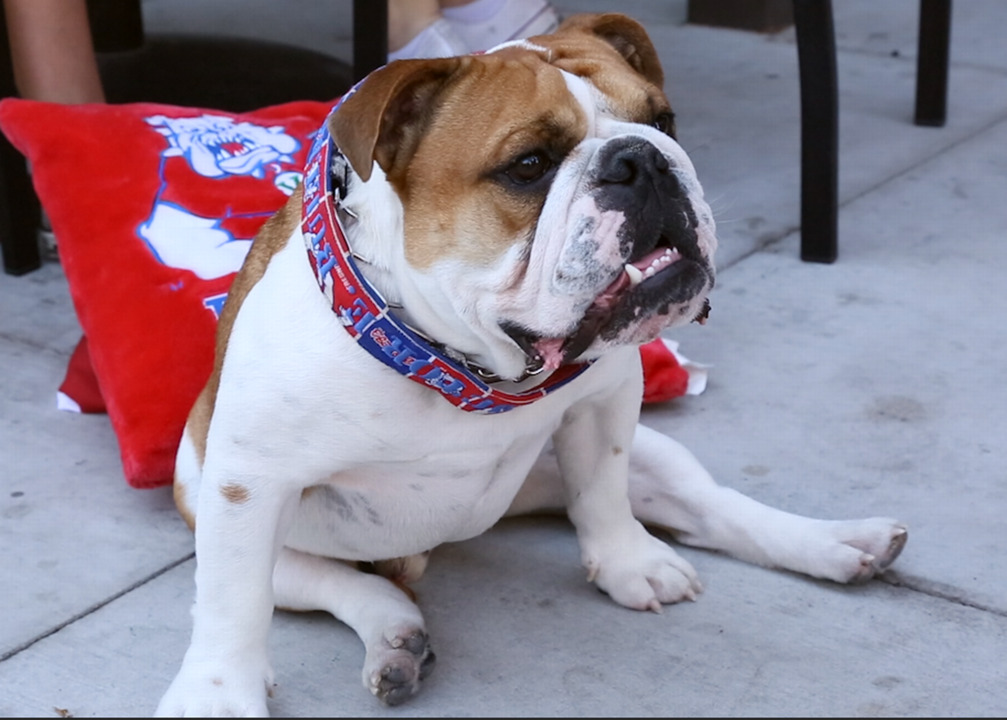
441	328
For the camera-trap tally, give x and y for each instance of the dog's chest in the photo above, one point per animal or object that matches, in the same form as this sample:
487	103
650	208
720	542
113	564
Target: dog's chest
426	489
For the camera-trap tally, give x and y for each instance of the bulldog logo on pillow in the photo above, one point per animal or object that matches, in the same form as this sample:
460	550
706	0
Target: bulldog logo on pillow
193	229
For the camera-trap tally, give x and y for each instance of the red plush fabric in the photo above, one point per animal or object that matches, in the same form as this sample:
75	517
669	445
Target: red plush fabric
80	390
663	377
152	207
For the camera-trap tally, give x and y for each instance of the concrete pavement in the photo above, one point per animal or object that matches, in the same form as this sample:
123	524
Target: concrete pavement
873	386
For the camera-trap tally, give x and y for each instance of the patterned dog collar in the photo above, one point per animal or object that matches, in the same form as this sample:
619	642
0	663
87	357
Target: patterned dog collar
366	316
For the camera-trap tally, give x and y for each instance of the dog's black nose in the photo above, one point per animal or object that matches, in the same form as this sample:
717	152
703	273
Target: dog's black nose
632	161
635	178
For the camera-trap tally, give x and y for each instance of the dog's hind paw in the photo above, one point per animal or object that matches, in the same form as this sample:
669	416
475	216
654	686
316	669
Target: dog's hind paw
854	551
881	540
394	668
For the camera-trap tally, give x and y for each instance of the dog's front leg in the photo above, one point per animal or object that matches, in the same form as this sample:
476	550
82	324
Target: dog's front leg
592	446
239	530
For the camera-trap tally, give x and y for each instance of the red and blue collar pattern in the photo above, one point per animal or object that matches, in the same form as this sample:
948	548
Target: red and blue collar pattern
366	316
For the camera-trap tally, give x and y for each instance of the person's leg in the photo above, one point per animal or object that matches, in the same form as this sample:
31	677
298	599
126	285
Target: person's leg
52	52
416	29
437	28
52	56
481	24
407	18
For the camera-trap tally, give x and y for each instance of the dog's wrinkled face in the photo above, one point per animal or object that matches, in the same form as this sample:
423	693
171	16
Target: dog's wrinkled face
539	209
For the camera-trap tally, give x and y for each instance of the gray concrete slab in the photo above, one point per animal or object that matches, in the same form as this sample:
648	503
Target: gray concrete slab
871	386
521	634
71	537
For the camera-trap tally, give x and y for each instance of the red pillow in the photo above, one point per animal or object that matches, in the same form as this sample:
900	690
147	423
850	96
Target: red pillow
153	208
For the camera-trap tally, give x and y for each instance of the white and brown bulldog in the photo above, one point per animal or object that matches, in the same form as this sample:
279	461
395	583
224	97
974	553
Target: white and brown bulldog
481	244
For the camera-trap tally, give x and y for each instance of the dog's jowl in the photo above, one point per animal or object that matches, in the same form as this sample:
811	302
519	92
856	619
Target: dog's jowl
478	248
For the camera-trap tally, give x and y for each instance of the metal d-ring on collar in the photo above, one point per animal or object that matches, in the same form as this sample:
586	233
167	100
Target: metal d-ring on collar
367	317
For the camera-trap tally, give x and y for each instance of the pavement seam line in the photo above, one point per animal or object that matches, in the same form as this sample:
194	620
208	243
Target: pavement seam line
939	591
93	608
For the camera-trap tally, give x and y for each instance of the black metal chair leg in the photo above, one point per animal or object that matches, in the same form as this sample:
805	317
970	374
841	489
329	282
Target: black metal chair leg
932	62
370	36
20	214
816	50
19	209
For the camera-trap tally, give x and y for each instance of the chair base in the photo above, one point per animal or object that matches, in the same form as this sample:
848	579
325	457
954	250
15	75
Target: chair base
230	74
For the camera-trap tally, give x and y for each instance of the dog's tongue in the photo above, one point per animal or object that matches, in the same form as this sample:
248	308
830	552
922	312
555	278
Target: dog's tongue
554	351
551	352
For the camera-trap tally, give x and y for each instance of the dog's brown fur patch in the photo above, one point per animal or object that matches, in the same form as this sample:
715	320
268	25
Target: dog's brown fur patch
187	513
235	493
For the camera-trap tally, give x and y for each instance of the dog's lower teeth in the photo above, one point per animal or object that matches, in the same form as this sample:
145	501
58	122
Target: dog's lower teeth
635	276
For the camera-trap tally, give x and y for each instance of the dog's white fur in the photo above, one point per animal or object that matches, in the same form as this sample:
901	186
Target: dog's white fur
304	453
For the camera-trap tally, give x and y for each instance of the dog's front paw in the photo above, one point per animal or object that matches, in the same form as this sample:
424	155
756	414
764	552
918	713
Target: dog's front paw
396	664
218	689
642	572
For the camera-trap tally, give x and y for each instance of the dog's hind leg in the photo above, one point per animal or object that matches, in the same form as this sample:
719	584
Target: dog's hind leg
671	490
398	654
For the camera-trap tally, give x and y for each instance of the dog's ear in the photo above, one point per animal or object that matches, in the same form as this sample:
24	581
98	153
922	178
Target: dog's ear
384	120
626	35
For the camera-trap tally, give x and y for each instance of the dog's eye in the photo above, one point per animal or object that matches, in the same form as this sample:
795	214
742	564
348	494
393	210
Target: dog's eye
529	168
665	122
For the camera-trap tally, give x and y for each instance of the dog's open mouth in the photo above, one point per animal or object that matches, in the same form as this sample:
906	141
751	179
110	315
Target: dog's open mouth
647	286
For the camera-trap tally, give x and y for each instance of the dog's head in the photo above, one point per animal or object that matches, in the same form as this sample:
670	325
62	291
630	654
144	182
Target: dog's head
529	206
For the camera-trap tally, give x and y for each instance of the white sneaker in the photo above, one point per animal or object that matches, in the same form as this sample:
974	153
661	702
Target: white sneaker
438	39
483	24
